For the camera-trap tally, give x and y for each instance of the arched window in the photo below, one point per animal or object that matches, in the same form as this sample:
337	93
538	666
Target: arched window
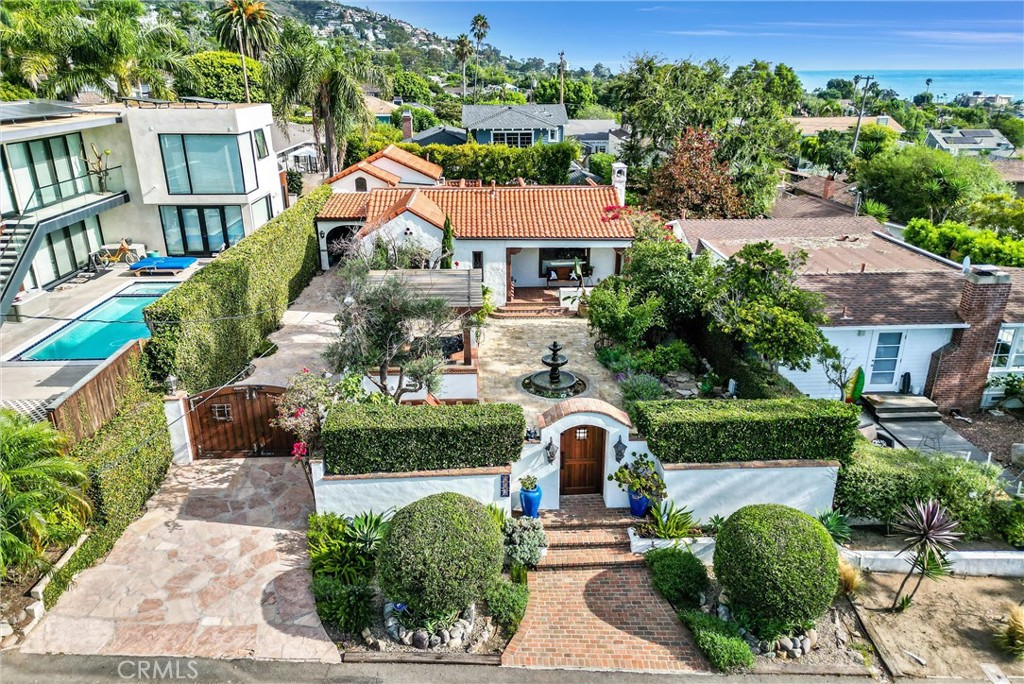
360	185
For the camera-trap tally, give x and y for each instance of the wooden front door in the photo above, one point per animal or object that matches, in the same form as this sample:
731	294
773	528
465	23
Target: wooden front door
582	460
235	421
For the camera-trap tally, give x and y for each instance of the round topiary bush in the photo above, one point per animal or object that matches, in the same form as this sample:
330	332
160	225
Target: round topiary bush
440	554
778	566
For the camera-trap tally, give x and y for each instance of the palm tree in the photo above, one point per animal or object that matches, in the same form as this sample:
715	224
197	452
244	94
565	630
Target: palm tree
927	84
250	18
479	28
463	51
330	82
38	487
35	38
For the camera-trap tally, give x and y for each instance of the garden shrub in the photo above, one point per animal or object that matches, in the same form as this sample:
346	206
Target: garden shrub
1008	518
779	567
544	164
754	379
660	361
440	554
640	387
879	482
720	641
365	438
218	76
207	329
126	460
349	607
678	575
714	431
506	602
621	313
524	539
334	552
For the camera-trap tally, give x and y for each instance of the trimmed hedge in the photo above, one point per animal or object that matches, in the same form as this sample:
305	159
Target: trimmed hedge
208	328
366	438
714	431
879	482
720	640
506	602
678	575
124	471
778	565
440	554
544	164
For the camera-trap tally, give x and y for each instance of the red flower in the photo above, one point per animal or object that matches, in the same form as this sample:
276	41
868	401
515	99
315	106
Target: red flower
299	450
305	370
299	411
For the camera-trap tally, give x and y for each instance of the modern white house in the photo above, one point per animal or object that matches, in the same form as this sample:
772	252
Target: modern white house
173	178
970	142
913	321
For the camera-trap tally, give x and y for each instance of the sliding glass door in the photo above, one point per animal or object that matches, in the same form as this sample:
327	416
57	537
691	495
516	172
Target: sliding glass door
201	231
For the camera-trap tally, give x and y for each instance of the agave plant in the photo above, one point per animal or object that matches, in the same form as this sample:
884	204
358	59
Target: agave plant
931	533
670	522
836	525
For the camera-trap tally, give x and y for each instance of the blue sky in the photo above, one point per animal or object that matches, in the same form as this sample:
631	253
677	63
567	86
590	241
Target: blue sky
806	35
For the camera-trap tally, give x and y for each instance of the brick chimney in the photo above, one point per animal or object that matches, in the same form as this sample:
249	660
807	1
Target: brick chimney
827	187
406	125
958	371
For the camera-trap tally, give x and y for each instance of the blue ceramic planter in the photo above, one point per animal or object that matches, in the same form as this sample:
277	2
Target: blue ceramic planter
529	499
638	504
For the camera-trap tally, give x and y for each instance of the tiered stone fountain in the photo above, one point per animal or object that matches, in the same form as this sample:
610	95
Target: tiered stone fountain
554	383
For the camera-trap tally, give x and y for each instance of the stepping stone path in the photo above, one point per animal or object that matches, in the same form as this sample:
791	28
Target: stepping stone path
592	605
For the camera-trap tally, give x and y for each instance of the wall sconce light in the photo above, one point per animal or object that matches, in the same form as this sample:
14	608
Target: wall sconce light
551	450
172	384
322	235
620	450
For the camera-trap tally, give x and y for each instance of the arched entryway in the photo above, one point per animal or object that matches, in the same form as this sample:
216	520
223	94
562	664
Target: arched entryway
582	460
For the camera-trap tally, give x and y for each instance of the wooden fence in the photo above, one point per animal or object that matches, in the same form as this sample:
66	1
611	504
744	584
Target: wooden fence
86	406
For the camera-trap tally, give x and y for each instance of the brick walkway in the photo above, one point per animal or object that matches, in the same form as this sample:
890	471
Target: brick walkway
591	601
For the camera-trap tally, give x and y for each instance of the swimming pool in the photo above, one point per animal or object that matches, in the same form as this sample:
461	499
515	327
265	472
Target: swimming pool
102	330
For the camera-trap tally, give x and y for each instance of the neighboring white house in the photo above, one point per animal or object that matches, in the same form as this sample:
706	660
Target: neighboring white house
179	179
907	317
970	141
392	167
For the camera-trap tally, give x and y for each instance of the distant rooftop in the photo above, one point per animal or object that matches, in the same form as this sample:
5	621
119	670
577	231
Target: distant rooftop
513	116
813	125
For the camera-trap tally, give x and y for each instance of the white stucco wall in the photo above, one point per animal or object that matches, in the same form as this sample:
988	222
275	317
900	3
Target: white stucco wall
454	386
348	183
857	344
709	490
354	495
405	228
409	176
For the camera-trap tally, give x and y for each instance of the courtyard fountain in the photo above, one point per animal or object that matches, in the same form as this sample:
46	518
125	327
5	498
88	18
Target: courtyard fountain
554	383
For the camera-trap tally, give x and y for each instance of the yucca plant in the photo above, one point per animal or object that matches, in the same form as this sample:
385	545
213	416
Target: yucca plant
931	533
1010	639
669	521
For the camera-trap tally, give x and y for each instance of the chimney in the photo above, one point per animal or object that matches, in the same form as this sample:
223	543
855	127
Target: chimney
406	125
826	189
619	181
959	370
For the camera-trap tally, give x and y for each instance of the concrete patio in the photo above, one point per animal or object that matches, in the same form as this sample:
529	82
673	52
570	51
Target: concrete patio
217	567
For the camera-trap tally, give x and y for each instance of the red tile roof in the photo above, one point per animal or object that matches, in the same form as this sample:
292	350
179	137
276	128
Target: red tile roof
399	156
345	205
531	212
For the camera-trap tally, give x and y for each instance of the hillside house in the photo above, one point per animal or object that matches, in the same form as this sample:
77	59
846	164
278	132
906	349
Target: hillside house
515	125
392	167
970	141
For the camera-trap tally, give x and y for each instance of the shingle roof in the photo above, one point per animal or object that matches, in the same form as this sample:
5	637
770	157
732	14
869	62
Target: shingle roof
1015	306
513	116
859	299
440	135
788	205
812	125
532	212
399	156
1012	170
839	191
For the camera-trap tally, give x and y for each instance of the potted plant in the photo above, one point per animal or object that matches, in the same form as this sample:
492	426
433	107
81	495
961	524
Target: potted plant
641	481
529	495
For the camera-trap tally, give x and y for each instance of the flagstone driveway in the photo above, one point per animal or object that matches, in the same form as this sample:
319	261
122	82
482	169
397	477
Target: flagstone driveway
217	567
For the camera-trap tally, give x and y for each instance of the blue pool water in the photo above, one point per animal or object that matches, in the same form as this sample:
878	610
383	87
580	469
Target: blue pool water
101	331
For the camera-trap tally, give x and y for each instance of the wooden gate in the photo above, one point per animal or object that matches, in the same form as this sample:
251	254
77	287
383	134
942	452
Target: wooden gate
582	460
235	421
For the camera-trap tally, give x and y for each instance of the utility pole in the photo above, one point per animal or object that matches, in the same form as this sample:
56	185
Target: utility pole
245	70
561	77
863	103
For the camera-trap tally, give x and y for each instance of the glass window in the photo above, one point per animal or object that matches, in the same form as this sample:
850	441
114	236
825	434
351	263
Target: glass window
561	261
360	185
261	143
202	164
261	212
45	171
887	355
172	231
1004	343
233	222
214	220
512	138
193	230
7	205
200	230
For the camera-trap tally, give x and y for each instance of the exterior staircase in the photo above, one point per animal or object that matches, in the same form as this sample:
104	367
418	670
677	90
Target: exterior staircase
544	304
585	534
14	240
889	408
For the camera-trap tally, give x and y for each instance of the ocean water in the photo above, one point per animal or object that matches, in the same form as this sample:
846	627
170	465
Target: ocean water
946	84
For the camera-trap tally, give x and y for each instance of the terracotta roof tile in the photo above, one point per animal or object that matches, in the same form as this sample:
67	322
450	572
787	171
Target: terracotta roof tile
369	169
345	205
397	155
1012	170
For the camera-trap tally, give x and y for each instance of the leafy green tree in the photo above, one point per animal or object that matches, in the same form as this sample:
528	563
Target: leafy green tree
621	313
42	495
919	182
596	111
600	163
874	140
411	87
447	243
1002	214
448	110
1010	126
463	51
691	183
662	267
422	119
218	75
10	92
252	19
844	87
753	297
577	94
923	99
389	325
36	37
830	149
360	144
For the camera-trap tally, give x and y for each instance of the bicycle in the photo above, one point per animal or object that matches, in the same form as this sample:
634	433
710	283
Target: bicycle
104	260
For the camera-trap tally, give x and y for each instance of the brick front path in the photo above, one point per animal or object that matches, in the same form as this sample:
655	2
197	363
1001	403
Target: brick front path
601	618
592	605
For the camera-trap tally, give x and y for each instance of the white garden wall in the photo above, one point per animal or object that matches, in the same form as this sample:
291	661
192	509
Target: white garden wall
710	489
354	494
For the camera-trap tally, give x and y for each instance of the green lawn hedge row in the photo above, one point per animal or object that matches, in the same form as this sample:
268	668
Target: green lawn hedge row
361	438
715	431
545	164
126	460
879	482
247	290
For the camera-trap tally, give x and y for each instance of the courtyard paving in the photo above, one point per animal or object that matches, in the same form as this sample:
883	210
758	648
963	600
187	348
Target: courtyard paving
216	568
512	347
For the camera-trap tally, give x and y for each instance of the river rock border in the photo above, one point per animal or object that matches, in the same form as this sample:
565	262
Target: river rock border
467	633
